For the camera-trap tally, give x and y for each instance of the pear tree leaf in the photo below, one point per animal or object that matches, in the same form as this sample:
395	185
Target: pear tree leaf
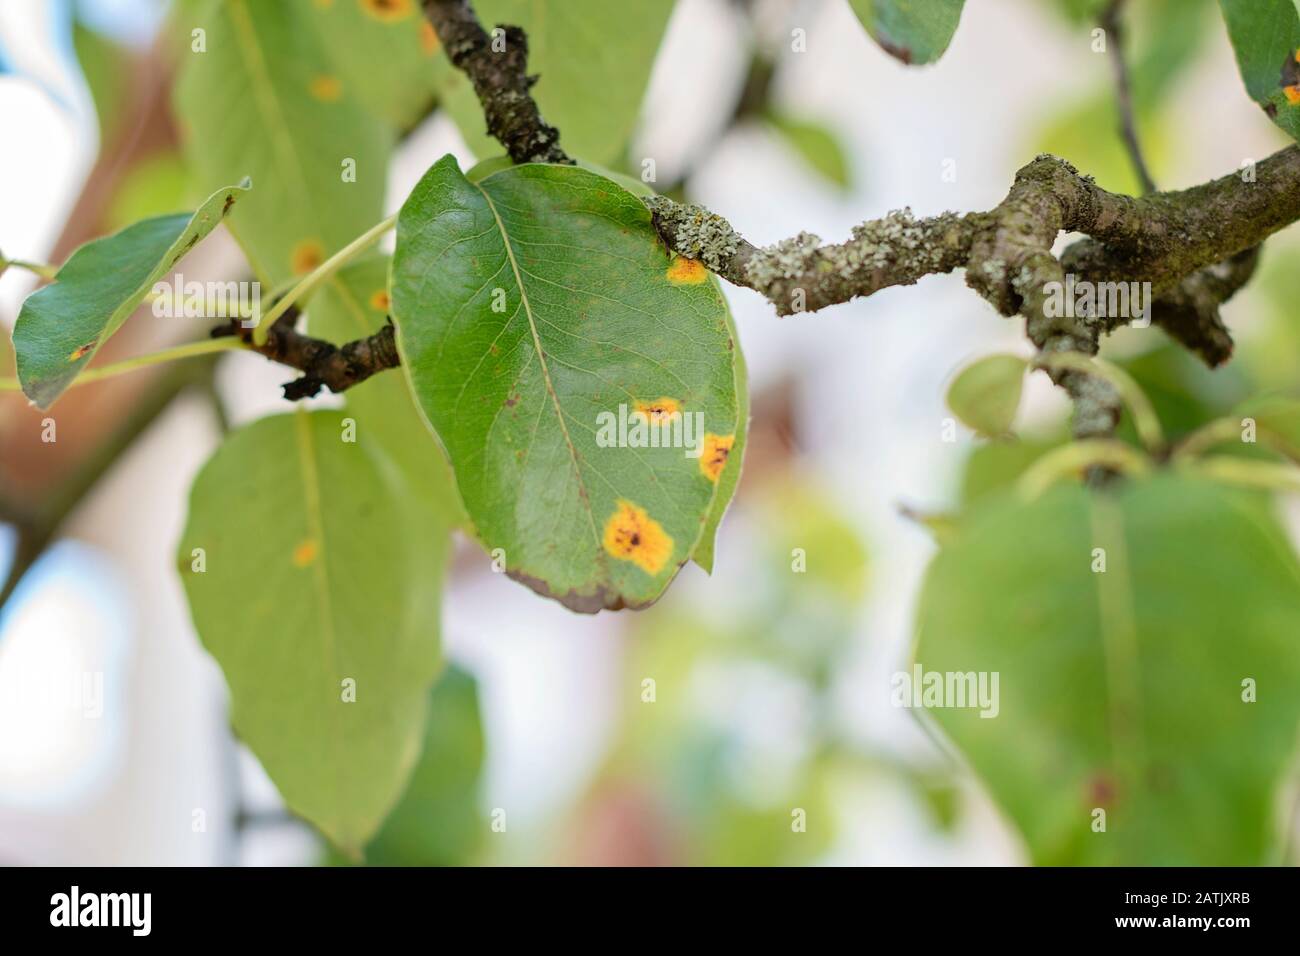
816	145
985	395
1265	35
569	43
913	31
262	99
1145	650
438	821
316	587
549	339
63	325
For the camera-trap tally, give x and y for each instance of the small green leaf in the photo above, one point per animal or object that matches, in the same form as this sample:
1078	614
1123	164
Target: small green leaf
316	587
352	304
1145	650
986	394
817	145
438	821
262	99
1266	37
914	31
569	43
538	315
63	325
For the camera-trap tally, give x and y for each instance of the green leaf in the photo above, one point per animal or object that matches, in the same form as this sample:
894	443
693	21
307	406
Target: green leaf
914	31
530	306
63	325
352	304
1266	37
817	145
385	51
986	394
1123	689
438	821
569	44
312	575
263	100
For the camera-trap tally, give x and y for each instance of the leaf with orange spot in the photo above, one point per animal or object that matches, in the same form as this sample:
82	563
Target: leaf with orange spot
632	535
386	54
319	570
267	101
63	325
1265	35
521	398
683	271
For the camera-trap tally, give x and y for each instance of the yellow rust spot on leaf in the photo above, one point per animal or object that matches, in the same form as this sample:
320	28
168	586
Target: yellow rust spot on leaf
306	256
714	455
683	271
632	535
81	351
379	300
660	411
428	38
389	11
305	553
326	88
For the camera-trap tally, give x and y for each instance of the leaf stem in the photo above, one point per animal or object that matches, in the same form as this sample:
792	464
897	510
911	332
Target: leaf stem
318	275
1077	457
47	272
188	350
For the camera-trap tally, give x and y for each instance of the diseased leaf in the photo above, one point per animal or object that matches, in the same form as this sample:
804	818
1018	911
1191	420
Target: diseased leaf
816	145
1164	689
385	51
569	43
914	31
544	327
438	821
263	100
352	304
63	325
985	395
1266	37
311	579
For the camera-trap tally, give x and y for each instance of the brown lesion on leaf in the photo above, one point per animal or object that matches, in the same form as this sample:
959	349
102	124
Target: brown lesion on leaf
81	351
632	535
659	411
713	457
388	11
379	300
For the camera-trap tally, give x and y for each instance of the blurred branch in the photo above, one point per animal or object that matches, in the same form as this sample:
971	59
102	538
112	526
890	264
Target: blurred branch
1111	22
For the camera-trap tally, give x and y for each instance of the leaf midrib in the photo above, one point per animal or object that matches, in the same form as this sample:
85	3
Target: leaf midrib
546	372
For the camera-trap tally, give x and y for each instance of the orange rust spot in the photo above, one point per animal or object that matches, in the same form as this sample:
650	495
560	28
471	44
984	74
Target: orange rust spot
660	411
81	351
380	300
388	11
306	256
683	271
1292	94
326	88
428	38
632	535
714	455
305	553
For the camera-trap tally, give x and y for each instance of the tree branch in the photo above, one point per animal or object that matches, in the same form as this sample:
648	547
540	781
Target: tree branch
500	79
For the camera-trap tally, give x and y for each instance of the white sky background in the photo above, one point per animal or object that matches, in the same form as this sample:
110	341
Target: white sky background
873	376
